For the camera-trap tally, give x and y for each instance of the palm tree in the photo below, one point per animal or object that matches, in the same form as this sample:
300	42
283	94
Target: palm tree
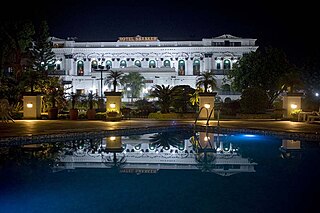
207	80
182	101
114	162
113	77
205	161
165	140
165	95
169	139
134	81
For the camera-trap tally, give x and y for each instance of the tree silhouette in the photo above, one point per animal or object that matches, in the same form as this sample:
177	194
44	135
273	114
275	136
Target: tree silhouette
207	80
113	78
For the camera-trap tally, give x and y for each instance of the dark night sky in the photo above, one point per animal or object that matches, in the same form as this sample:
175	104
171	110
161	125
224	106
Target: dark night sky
291	27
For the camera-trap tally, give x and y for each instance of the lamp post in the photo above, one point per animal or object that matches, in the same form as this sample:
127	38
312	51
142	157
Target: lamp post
101	82
101	78
101	85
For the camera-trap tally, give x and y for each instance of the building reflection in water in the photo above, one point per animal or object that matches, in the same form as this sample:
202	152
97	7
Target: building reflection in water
149	153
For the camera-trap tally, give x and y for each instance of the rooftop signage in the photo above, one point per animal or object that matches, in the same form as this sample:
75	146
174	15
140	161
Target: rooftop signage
137	39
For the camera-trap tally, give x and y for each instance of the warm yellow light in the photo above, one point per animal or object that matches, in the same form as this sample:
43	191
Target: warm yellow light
29	105
294	106
207	106
206	138
112	106
112	138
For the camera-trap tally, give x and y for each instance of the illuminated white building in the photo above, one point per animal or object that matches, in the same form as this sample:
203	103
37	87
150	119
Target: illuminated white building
159	62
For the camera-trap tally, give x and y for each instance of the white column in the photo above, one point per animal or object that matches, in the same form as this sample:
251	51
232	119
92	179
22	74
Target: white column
189	67
87	67
74	68
202	65
68	66
206	64
213	62
116	63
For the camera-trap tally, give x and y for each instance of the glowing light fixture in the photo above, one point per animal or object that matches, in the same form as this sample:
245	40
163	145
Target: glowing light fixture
29	105
207	106
317	94
112	106
206	138
293	106
112	138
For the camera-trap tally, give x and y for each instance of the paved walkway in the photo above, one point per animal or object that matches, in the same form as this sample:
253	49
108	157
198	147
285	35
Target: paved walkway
22	128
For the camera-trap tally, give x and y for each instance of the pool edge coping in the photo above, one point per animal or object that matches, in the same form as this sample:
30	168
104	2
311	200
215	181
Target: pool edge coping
56	137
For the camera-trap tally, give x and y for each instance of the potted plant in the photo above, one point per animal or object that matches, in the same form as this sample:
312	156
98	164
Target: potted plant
73	112
53	91
53	110
91	113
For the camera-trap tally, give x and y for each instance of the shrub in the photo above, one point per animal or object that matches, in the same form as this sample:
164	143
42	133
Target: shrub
101	115
163	116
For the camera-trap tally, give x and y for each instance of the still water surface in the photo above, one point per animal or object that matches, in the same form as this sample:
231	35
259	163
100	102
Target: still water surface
176	171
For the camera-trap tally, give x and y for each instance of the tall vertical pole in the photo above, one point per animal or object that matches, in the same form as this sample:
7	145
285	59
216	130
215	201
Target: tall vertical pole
218	117
318	100
101	83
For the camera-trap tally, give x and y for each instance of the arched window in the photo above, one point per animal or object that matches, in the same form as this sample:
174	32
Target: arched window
181	67
94	65
152	64
227	100
218	66
108	64
80	71
51	66
226	64
137	63
58	65
196	67
225	87
123	64
166	63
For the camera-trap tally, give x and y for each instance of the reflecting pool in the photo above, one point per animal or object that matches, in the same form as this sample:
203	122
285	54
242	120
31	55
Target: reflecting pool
168	171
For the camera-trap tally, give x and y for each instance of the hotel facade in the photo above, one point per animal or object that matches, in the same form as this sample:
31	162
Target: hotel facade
85	65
